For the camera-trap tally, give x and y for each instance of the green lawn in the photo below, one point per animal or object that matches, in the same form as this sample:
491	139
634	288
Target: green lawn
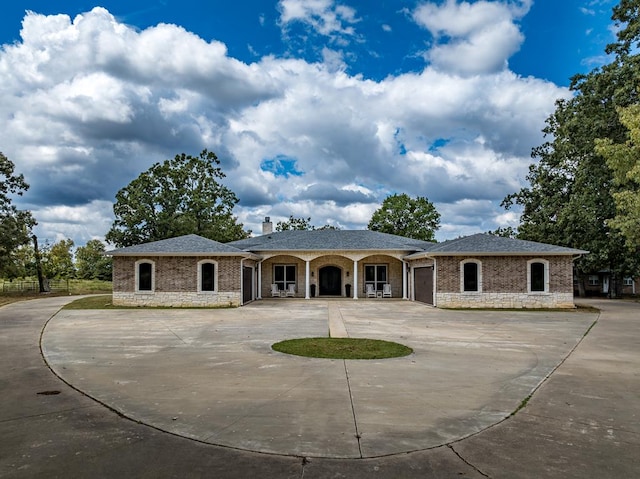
342	348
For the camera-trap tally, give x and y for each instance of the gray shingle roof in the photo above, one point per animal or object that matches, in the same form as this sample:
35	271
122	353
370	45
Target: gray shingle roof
487	244
320	240
349	240
188	245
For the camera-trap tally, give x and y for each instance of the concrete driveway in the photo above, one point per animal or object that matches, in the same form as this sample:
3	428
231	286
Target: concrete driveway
582	422
211	375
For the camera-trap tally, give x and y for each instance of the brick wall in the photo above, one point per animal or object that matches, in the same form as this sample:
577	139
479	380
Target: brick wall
176	274
505	274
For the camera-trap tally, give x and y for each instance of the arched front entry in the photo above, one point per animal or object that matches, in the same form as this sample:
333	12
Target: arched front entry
330	281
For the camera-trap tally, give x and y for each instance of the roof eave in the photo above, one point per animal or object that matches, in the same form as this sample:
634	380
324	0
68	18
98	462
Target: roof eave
242	254
507	253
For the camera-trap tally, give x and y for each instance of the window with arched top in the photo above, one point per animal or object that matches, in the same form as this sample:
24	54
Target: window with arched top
471	276
207	276
145	276
538	276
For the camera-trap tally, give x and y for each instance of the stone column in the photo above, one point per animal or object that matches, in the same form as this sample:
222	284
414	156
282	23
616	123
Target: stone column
306	280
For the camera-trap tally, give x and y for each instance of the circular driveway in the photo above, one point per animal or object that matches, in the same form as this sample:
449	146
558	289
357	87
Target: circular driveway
211	375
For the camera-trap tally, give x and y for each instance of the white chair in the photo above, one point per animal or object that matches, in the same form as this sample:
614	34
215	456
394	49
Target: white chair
291	290
275	292
371	293
386	290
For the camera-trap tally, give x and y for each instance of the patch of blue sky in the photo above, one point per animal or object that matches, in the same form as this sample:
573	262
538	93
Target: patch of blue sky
281	166
439	143
402	149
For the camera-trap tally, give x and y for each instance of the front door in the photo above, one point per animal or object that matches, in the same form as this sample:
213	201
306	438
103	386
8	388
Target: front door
330	281
423	284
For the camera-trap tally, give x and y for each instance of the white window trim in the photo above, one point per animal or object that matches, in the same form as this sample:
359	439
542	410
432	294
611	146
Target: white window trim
215	276
153	276
627	281
479	263
546	275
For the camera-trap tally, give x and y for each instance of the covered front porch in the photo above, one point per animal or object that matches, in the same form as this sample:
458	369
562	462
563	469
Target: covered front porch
342	275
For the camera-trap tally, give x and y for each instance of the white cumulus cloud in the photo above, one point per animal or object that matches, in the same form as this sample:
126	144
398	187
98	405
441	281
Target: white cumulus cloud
89	103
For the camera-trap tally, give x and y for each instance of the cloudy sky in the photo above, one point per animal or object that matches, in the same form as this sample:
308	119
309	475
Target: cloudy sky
316	108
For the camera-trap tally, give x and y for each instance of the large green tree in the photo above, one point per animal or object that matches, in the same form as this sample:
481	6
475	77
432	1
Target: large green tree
405	216
570	197
177	197
15	225
57	260
624	161
91	263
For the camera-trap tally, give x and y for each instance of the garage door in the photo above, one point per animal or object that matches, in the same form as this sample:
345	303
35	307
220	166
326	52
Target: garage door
423	284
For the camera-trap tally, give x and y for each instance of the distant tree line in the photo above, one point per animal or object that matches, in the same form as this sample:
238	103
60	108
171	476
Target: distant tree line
59	261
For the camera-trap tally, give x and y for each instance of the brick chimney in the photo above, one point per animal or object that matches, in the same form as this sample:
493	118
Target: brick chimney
267	226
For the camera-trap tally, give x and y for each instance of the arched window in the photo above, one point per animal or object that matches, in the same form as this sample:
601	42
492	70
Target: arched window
207	276
471	276
538	276
145	276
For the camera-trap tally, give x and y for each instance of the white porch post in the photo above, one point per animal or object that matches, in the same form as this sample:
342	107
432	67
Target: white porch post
306	280
355	279
404	280
259	280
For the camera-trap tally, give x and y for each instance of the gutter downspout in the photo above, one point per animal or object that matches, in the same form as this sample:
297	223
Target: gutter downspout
435	282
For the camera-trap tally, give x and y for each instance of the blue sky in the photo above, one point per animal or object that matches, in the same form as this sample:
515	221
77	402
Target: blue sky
316	108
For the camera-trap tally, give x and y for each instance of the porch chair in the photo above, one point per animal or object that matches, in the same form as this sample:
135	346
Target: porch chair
371	293
275	292
386	290
291	290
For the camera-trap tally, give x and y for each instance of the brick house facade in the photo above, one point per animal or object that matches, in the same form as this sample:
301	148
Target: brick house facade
477	271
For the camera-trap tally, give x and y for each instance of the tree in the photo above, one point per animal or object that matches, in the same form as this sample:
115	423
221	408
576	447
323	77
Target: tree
624	161
405	216
505	232
174	198
570	197
301	224
57	260
292	223
91	263
15	225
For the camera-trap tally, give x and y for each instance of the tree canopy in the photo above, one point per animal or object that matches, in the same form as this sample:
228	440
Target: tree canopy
405	216
303	224
570	197
294	224
91	263
177	197
57	259
15	225
624	161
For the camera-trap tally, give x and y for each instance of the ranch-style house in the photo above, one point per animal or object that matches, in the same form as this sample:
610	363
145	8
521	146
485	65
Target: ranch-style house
477	271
